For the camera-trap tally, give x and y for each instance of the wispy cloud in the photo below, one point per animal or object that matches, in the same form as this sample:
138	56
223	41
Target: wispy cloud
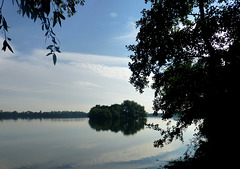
77	82
86	84
130	34
113	72
113	14
80	58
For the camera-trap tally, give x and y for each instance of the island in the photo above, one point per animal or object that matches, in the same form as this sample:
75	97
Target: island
128	117
127	110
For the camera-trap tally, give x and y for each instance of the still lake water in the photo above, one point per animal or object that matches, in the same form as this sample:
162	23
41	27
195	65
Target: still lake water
74	144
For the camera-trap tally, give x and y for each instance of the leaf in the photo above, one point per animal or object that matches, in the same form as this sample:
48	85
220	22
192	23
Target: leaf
53	33
46	6
9	47
5	24
49	54
61	16
59	20
46	33
57	49
6	45
54	40
46	26
49	47
55	18
54	59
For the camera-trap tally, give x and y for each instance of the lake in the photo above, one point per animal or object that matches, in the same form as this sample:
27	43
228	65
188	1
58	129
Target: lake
78	143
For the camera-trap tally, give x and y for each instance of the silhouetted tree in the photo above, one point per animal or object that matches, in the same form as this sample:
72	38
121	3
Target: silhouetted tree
191	49
116	111
132	110
127	110
40	115
49	12
100	112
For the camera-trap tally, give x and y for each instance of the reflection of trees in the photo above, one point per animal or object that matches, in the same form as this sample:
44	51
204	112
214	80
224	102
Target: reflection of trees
127	127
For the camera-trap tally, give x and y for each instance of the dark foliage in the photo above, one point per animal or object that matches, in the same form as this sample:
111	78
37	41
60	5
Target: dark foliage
127	110
41	115
126	126
190	48
49	12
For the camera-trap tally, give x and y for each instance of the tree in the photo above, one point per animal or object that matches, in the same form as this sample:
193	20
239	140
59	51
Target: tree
131	110
116	111
100	112
190	48
49	12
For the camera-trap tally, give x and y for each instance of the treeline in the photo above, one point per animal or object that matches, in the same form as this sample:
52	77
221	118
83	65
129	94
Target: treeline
43	115
126	110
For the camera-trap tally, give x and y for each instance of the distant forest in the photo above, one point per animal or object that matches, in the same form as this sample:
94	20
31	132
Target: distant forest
126	110
42	115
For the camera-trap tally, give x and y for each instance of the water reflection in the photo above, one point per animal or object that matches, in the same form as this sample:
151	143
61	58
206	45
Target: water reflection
55	144
127	127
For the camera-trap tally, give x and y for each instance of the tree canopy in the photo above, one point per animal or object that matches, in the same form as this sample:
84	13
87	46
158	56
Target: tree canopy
190	48
127	110
49	12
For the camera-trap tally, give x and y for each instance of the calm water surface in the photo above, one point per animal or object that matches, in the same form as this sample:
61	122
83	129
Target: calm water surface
74	144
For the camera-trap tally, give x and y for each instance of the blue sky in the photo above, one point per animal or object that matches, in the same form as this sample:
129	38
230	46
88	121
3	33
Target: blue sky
92	68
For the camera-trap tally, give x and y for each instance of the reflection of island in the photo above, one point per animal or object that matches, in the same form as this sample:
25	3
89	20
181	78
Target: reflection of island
127	127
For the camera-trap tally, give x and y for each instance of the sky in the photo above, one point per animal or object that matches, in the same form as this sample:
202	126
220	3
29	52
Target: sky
92	68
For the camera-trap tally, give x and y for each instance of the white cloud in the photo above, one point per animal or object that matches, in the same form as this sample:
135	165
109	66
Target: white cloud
114	72
77	58
86	84
77	82
113	14
130	34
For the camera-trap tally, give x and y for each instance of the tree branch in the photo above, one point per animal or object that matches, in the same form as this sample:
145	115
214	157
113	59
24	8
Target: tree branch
204	30
1	6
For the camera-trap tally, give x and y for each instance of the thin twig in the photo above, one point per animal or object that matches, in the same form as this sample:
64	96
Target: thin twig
1	6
